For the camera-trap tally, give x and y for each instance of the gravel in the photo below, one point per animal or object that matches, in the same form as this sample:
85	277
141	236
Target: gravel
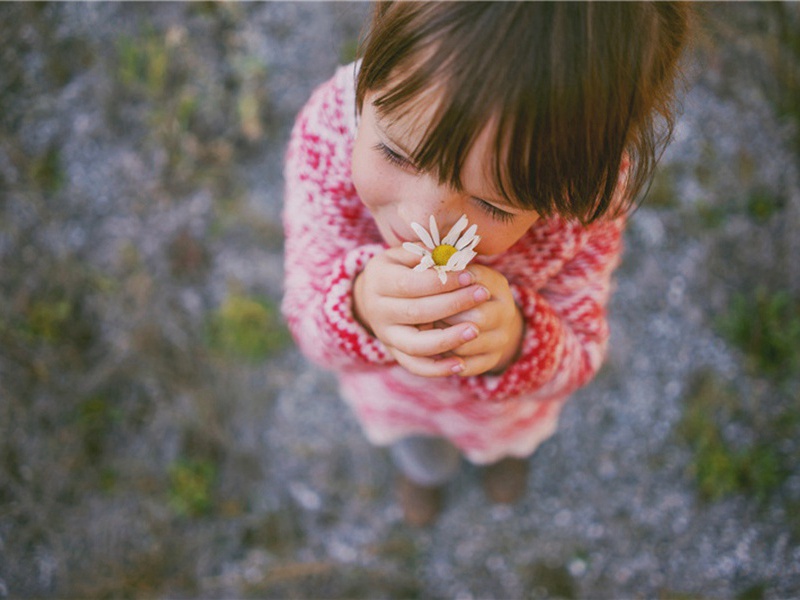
303	506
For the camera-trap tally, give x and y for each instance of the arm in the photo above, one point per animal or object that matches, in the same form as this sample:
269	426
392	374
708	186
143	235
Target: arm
329	237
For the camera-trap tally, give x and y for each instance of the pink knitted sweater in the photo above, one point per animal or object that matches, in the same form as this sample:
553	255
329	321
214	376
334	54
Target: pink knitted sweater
559	273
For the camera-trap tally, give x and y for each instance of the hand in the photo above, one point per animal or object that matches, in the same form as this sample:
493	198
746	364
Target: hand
499	321
399	306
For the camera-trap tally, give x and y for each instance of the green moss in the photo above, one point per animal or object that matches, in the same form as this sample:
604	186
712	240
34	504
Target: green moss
720	468
766	326
96	416
763	204
46	171
143	62
754	592
662	193
710	215
191	485
705	170
247	328
49	320
550	582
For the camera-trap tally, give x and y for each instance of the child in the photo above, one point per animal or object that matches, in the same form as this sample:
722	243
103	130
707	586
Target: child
540	123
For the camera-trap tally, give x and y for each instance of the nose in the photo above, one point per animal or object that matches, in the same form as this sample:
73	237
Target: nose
425	197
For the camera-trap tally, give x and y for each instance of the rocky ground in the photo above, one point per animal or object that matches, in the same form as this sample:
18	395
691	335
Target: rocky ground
161	437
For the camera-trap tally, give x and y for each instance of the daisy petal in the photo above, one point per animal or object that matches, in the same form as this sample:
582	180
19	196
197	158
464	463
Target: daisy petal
414	249
473	243
460	260
425	263
455	231
469	234
423	235
434	230
442	275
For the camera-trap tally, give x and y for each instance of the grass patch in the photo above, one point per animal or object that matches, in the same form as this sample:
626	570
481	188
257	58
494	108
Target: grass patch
720	467
766	326
191	484
247	328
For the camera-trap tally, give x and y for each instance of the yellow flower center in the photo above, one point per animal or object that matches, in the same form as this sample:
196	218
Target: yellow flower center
442	253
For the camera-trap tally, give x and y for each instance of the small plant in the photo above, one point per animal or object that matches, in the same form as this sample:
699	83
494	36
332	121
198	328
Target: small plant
144	62
191	486
766	326
248	328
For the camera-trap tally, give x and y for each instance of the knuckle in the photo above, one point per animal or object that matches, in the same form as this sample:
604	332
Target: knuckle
404	285
411	312
463	301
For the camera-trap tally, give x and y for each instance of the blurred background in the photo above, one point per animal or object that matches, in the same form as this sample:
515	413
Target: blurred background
160	436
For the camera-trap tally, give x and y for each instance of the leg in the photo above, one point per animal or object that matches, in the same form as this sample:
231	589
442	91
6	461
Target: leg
425	464
505	481
427	461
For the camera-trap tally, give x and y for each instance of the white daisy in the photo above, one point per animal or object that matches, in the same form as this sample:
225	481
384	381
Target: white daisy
453	253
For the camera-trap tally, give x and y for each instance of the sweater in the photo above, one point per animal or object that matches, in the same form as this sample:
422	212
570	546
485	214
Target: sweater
559	273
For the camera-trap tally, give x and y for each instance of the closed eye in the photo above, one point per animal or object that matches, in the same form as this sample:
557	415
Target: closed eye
496	213
393	157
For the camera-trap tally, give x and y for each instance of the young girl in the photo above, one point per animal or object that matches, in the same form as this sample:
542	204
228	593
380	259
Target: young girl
540	124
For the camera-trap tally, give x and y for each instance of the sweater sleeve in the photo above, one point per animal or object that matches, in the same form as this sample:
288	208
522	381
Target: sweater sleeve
329	238
566	330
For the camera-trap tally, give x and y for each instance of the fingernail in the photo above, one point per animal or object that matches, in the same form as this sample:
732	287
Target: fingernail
481	294
470	333
465	278
457	368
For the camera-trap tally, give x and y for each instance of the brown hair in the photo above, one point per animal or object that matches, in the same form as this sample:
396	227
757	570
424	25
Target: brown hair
574	89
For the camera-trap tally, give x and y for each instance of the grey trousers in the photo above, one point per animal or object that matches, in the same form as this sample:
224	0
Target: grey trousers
427	461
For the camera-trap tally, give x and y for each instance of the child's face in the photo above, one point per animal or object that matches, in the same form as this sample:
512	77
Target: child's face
396	193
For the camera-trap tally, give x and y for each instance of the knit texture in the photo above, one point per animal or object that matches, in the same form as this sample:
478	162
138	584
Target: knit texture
559	273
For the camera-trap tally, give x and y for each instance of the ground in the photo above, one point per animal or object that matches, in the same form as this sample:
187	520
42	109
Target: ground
160	436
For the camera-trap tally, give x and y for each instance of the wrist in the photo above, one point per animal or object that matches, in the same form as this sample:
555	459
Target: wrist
358	309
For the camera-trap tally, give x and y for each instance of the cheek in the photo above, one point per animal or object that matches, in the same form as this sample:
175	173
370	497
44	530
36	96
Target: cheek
497	238
367	179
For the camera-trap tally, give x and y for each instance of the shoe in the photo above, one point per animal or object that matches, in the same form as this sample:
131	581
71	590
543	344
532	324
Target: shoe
421	504
506	481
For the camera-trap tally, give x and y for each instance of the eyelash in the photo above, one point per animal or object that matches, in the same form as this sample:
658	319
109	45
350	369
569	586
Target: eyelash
494	212
402	162
393	157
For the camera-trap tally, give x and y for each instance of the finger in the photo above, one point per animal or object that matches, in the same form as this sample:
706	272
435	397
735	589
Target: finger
407	283
485	275
429	367
428	309
479	364
429	342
